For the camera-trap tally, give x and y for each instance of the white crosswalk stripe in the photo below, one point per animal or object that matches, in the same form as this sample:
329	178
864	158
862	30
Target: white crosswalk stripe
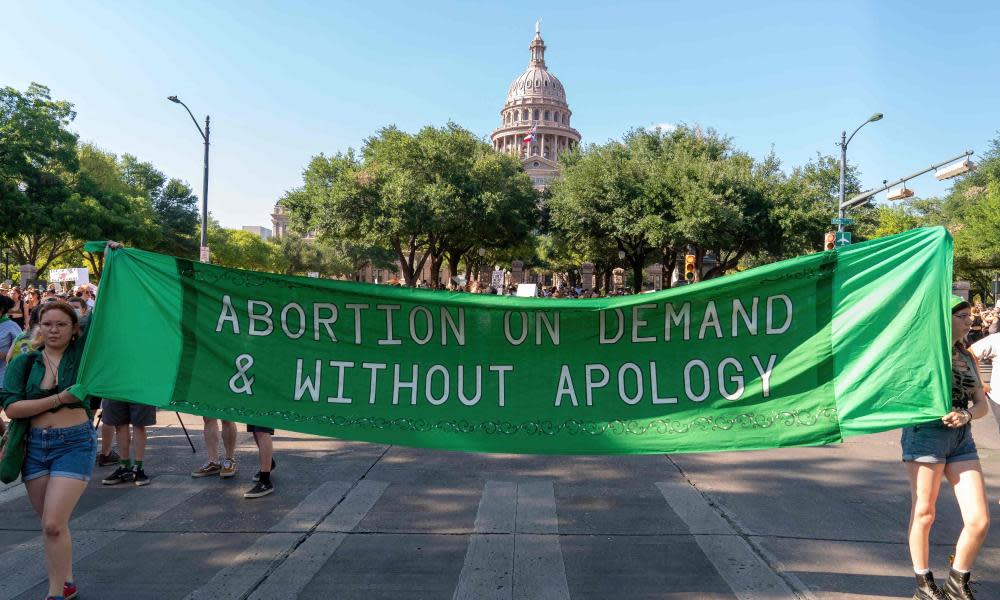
253	564
278	545
24	564
539	571
487	572
354	507
496	566
302	565
743	570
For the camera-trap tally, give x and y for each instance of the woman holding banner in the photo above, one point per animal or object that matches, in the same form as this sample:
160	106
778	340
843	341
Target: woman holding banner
59	441
936	450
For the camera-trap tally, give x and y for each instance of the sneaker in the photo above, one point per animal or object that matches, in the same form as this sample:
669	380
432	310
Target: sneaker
139	477
206	470
69	590
106	460
121	475
259	489
256	476
228	468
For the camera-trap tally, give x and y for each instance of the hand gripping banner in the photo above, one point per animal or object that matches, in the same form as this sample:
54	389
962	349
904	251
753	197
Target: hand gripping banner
802	352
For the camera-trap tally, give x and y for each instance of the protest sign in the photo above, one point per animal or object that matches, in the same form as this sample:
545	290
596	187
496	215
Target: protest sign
801	352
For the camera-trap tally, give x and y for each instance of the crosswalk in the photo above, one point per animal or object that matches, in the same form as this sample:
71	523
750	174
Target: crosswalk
513	551
24	564
12	491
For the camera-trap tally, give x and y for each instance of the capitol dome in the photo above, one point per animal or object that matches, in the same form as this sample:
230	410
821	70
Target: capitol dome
535	119
537	82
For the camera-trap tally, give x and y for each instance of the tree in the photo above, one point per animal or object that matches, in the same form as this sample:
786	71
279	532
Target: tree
174	206
659	193
433	196
294	255
38	206
805	202
116	211
56	193
239	249
970	213
602	195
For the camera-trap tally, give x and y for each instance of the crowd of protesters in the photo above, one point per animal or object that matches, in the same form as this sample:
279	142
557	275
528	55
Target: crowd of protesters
562	290
42	337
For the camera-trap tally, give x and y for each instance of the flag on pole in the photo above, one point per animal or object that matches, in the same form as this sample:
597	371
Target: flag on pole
531	135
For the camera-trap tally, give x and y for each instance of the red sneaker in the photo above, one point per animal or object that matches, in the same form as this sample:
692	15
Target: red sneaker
69	590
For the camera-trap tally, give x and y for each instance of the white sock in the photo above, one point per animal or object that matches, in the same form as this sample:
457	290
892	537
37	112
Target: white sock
921	571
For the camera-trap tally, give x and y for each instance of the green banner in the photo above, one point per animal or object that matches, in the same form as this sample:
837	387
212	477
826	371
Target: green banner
801	352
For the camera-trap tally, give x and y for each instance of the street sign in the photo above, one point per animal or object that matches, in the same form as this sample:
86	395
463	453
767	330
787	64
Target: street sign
843	238
844	221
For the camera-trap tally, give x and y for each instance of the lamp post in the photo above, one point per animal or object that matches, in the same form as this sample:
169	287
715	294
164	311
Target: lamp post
479	263
204	186
844	141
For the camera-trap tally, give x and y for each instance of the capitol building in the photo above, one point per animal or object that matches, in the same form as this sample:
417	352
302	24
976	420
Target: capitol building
535	125
535	119
536	106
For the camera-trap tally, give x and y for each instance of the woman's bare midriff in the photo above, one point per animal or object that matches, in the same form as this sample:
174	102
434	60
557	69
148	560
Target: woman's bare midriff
66	417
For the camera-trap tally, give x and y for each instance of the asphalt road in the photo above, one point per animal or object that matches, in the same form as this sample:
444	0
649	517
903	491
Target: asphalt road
363	521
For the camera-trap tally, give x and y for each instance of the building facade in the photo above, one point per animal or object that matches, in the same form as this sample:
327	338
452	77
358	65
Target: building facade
535	122
263	232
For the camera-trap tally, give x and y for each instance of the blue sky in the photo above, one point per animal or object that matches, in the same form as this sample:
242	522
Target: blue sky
283	82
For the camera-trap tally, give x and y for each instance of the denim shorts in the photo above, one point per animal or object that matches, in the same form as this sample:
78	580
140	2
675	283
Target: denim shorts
60	452
934	443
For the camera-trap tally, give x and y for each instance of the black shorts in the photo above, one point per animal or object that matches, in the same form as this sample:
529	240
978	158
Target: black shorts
256	429
125	413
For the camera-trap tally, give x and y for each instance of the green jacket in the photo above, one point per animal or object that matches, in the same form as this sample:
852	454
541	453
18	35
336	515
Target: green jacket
23	379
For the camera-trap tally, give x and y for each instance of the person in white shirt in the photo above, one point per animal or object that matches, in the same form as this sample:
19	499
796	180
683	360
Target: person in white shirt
987	351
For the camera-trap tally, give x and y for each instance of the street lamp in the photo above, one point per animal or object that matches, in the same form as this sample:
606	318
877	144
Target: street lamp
844	141
479	263
204	186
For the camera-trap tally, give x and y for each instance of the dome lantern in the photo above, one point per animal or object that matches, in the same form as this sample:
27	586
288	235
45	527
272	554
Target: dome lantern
537	48
535	119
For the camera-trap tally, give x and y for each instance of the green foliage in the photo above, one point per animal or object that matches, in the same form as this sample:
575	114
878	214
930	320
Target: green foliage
56	193
804	203
431	196
656	193
239	249
173	203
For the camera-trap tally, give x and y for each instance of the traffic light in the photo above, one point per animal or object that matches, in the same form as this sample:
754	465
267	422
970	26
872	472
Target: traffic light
830	240
689	267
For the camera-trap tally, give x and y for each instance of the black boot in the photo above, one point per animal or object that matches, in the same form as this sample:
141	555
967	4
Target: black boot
927	589
957	587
